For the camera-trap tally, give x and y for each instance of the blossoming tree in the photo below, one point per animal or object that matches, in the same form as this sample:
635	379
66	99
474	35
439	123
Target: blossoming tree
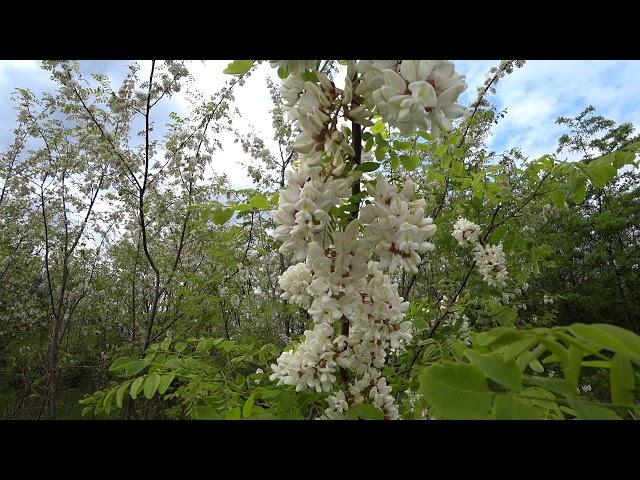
357	218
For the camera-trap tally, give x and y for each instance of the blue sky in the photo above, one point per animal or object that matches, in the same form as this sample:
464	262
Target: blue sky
534	97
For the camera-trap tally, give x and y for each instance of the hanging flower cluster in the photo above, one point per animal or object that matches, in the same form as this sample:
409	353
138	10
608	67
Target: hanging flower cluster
397	226
492	264
490	259
357	312
413	93
466	232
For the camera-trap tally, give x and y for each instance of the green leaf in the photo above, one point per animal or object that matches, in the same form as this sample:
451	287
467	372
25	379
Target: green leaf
574	365
204	412
441	150
507	315
597	364
622	380
283	72
136	386
151	385
395	161
556	385
580	193
494	367
275	199
165	381
600	173
497	337
513	350
591	411
179	347
165	344
221	216
241	207
119	364
622	158
107	401
233	414
499	233
173	362
238	67
310	76
379	127
402	145
457	168
134	366
367	167
410	162
560	353
539	397
456	391
508	407
610	337
120	395
247	410
536	366
350	207
365	411
426	136
259	202
557	196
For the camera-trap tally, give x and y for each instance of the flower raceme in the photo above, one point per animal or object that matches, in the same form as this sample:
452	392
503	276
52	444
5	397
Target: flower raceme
422	93
491	264
357	313
490	259
465	232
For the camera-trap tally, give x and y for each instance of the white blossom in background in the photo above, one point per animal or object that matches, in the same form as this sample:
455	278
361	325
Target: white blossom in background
465	232
547	300
357	313
443	303
491	264
490	259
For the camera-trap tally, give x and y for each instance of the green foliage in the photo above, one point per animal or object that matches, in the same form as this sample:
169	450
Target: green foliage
238	67
507	360
205	379
210	264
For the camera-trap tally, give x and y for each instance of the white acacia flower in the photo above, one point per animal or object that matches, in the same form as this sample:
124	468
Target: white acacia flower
336	280
338	406
396	226
411	94
465	232
491	264
294	281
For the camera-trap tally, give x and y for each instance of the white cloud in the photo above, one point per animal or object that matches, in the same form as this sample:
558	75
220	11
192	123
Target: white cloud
543	90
